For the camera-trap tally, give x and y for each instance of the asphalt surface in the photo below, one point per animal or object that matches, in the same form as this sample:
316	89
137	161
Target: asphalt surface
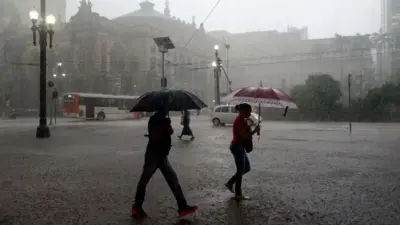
302	173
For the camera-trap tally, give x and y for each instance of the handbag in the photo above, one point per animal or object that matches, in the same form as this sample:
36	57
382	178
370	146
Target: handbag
248	144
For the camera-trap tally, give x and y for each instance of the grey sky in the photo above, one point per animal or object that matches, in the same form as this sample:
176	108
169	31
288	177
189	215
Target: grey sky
323	17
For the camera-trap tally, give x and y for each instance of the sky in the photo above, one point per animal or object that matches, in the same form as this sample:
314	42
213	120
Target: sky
324	18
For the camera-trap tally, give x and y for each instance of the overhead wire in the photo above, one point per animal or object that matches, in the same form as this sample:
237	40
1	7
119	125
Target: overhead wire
241	62
209	14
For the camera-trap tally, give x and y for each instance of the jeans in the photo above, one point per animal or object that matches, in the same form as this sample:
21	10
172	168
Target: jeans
153	161
242	167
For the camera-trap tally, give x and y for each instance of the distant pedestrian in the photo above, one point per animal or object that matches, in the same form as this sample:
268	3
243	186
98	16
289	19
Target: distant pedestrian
185	121
156	157
242	141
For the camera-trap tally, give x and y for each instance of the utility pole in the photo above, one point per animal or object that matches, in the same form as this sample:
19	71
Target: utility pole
217	74
50	84
229	82
350	112
227	46
163	79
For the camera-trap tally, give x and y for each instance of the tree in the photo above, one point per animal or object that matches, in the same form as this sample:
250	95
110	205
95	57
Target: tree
378	104
319	95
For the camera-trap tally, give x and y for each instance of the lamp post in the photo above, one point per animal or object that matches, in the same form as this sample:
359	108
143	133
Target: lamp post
217	73
349	93
164	44
44	29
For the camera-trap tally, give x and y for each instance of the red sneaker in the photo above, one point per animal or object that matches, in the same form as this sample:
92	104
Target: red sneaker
187	210
138	213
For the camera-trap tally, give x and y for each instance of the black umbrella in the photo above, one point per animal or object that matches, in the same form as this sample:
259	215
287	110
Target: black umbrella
171	100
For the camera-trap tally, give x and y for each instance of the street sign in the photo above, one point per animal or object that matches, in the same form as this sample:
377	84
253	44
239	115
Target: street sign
50	84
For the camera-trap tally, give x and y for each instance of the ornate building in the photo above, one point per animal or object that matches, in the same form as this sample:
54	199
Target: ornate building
115	56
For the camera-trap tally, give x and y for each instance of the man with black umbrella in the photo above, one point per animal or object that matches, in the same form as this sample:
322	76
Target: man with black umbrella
156	157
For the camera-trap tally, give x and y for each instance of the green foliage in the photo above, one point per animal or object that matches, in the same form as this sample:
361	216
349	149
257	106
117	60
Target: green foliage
318	99
319	92
379	104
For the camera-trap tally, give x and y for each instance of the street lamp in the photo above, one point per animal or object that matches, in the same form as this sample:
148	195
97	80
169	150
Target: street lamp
164	44
63	74
217	71
44	26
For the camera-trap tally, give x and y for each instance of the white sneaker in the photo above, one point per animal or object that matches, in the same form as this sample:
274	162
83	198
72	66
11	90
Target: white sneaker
241	197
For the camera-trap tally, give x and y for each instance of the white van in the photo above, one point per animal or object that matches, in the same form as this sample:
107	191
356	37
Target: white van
226	114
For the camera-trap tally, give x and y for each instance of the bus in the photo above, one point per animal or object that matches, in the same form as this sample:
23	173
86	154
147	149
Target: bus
98	106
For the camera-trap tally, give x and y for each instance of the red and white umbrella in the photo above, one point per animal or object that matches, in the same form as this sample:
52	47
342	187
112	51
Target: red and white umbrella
260	96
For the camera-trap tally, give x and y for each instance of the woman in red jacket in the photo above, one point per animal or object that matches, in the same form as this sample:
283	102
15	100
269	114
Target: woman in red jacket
241	137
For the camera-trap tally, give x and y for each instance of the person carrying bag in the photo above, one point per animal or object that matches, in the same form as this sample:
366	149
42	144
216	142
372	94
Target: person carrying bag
241	143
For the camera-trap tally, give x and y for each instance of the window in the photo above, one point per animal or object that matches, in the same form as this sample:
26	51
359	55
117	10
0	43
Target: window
153	62
100	102
81	101
233	109
68	98
225	109
121	104
218	110
112	102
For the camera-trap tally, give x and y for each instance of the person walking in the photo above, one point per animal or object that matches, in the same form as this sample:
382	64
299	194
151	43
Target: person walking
185	121
241	142
156	157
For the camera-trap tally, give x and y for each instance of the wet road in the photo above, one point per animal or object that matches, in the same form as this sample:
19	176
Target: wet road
302	173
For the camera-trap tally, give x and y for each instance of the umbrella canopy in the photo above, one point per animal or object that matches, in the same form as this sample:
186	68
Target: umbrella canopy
260	96
171	100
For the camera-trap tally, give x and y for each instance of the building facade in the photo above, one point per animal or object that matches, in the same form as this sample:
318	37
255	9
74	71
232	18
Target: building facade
285	59
111	56
21	9
390	26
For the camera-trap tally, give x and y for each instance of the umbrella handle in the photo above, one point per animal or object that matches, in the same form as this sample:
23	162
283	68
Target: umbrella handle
286	110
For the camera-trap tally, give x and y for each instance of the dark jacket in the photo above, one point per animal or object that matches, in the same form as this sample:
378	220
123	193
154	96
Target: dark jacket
160	131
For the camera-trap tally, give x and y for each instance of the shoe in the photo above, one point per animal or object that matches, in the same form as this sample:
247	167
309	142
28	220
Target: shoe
180	136
230	187
241	197
192	138
187	210
138	213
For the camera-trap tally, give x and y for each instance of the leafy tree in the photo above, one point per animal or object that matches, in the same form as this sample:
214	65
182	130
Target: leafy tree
320	92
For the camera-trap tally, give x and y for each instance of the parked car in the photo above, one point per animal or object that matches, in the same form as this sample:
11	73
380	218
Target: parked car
226	114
